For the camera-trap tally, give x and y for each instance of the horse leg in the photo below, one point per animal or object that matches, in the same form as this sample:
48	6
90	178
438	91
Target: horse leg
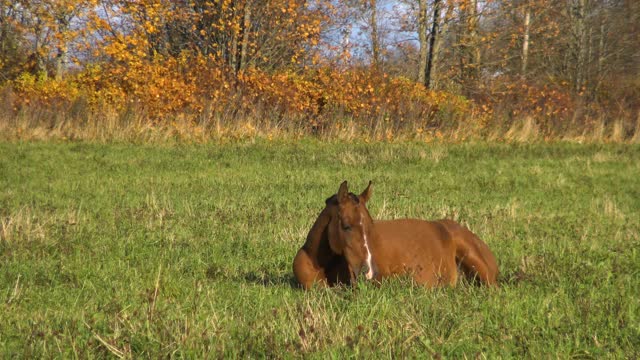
306	272
337	272
474	266
473	254
441	274
476	258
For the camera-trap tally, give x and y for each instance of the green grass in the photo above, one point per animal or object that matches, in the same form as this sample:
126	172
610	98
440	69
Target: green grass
149	251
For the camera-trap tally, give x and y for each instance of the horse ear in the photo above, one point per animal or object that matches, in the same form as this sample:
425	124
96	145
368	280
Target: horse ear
343	192
366	194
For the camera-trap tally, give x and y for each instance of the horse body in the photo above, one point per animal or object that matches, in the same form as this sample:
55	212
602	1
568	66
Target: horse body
416	247
431	252
345	241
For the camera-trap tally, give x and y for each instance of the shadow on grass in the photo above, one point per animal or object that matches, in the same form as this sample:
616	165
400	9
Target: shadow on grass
257	277
267	279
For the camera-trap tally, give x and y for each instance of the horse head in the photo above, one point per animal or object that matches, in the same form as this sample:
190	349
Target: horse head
350	230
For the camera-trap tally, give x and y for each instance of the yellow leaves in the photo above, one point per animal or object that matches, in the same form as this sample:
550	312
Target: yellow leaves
44	90
526	99
149	27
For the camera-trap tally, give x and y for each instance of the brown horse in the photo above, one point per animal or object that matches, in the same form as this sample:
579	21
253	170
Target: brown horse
346	242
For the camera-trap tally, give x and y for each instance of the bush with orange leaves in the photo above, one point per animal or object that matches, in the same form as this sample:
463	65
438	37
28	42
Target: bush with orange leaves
41	90
161	88
512	98
286	93
186	86
365	96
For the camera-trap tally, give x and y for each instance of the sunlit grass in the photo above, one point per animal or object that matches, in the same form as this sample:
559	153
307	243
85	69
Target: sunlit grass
186	250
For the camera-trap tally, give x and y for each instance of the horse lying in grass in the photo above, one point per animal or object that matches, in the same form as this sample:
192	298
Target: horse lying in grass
345	242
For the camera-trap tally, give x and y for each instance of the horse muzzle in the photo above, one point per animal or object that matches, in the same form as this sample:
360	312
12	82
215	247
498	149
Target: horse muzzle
369	272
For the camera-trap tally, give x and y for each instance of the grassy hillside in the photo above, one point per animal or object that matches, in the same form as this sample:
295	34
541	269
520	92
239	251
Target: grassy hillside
149	251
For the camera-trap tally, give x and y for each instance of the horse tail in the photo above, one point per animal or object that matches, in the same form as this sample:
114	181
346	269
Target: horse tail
472	254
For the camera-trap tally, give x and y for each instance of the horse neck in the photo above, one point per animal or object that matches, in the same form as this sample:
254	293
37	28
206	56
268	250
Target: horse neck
372	236
317	244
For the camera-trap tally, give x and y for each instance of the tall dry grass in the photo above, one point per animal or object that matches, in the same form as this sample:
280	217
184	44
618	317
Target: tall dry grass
77	120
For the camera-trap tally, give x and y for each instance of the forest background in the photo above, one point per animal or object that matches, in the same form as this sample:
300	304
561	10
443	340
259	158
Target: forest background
370	69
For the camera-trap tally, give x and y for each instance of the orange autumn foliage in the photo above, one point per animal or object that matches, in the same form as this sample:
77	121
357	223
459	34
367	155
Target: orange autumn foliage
166	88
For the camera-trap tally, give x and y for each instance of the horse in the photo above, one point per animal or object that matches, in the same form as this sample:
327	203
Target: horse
345	243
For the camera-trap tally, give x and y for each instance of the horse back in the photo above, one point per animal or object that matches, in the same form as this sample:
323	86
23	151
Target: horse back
422	248
419	242
414	233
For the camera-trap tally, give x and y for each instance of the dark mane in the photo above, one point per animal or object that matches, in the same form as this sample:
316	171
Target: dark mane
333	200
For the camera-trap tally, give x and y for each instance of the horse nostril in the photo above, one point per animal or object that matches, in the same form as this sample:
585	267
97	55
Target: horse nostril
371	271
365	269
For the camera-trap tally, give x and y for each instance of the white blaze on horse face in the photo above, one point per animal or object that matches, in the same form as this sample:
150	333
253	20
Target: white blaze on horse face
369	274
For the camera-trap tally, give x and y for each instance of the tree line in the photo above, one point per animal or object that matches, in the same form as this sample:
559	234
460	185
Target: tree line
561	62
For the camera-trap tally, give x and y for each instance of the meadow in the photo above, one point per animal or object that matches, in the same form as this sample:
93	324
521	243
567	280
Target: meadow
129	251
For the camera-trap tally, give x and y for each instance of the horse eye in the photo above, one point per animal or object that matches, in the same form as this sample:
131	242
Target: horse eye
346	227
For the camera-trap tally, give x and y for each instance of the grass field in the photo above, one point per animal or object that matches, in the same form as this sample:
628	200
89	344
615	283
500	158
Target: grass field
147	251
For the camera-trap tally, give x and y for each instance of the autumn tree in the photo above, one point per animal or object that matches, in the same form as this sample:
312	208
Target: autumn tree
427	40
45	29
236	33
166	57
368	23
468	41
526	30
13	52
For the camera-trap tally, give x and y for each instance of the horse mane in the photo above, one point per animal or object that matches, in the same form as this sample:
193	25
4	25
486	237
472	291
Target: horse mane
333	200
334	267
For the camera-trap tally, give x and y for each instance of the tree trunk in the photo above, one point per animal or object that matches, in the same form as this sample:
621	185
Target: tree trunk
468	43
601	48
246	28
40	67
587	75
422	36
61	61
580	45
474	44
601	56
443	29
64	20
432	42
375	42
233	51
525	40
